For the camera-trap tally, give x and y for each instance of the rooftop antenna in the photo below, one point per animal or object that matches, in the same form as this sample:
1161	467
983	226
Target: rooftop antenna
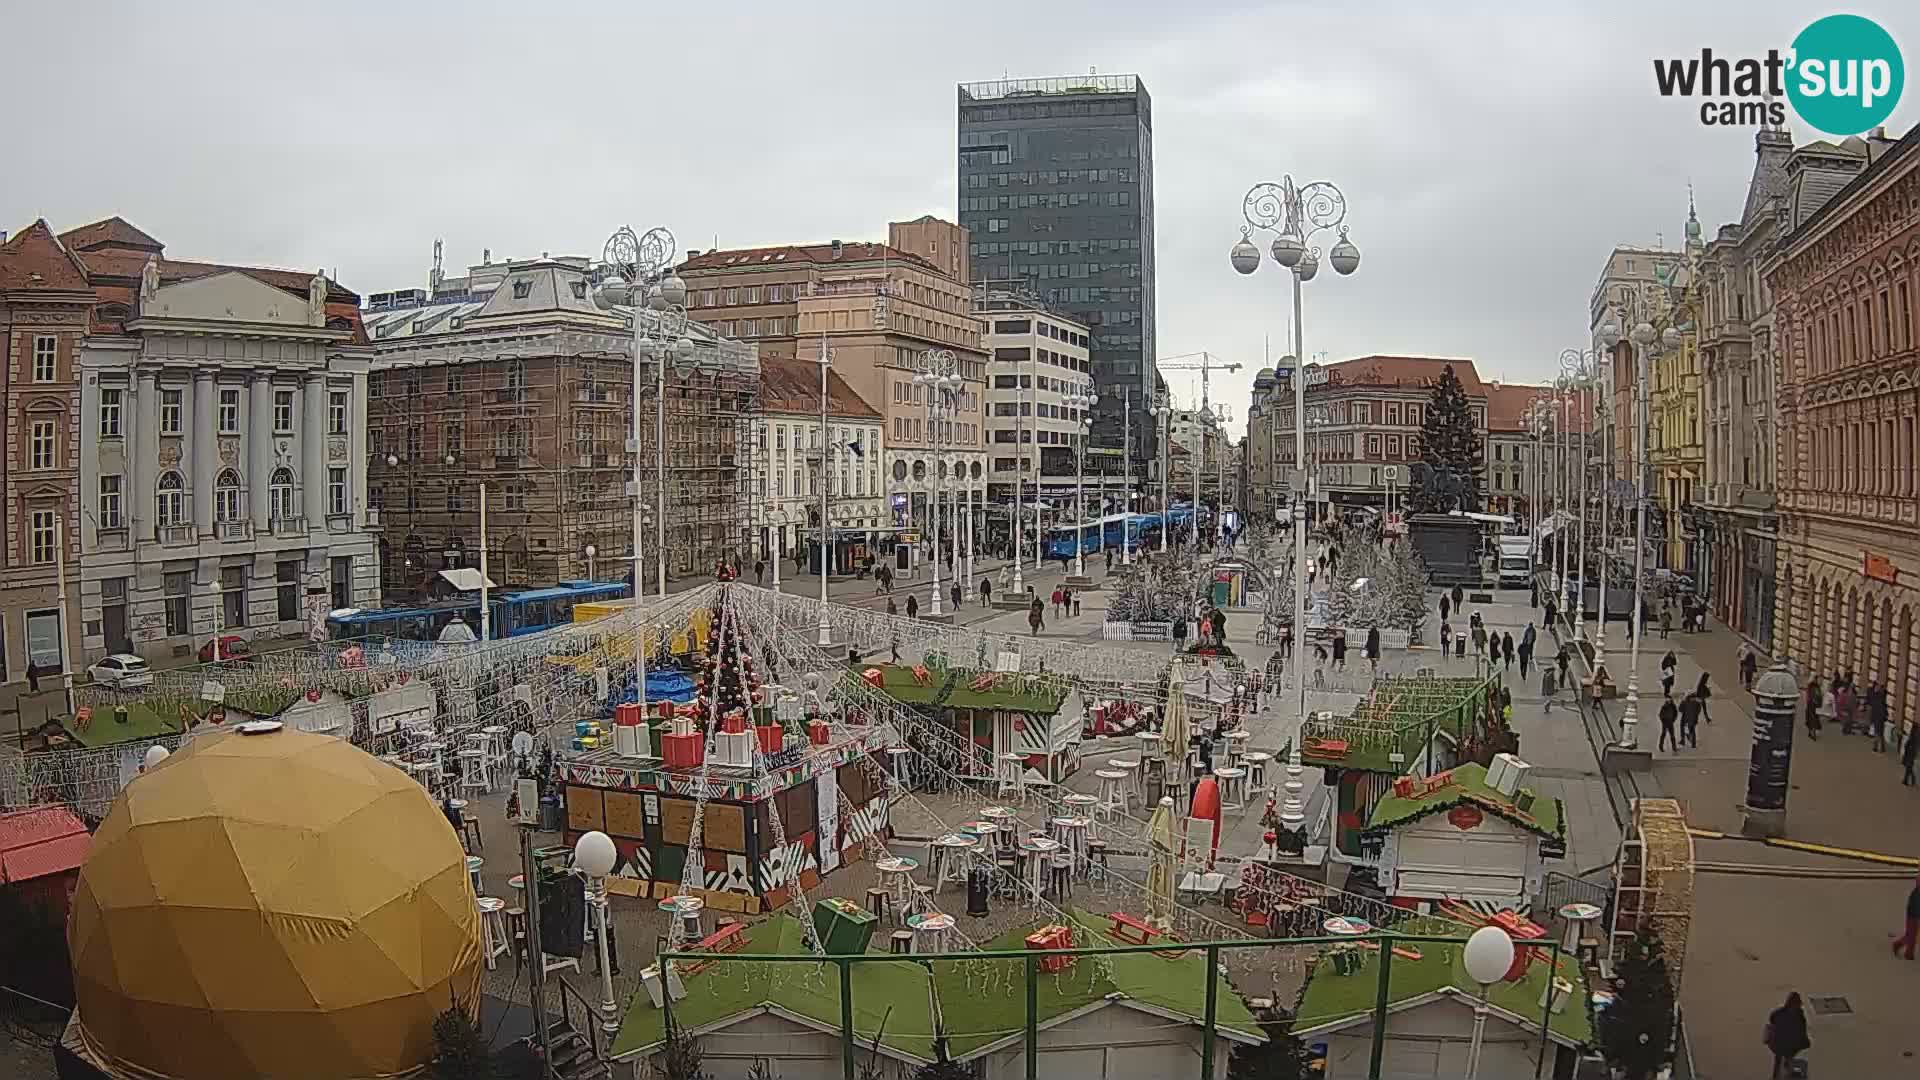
436	276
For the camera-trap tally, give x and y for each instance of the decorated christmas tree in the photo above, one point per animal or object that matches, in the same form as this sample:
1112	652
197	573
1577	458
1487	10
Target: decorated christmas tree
1636	1031
1449	443
727	681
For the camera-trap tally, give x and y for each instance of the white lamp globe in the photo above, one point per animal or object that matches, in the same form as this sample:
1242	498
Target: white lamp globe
1610	334
611	293
594	855
674	290
1309	266
1287	249
1670	337
1642	334
157	754
1487	957
683	351
1245	257
1345	256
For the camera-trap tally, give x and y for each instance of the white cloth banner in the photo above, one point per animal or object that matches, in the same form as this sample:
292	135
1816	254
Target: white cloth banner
827	794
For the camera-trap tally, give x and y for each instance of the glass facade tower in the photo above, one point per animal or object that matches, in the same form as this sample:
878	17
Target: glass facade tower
1056	189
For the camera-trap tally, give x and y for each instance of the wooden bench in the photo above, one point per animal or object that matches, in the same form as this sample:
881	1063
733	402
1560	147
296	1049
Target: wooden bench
1130	930
730	938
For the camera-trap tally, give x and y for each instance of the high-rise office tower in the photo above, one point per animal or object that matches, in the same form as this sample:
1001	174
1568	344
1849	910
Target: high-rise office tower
1056	188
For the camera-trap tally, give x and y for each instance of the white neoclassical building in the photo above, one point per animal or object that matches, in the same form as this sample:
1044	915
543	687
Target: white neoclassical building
787	512
223	480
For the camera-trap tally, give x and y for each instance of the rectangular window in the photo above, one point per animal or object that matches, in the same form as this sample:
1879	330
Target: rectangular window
45	357
41	445
454	436
170	412
110	413
456	380
337	491
233	596
337	412
176	588
342	570
40	537
283	411
229	412
110	502
286	590
753	294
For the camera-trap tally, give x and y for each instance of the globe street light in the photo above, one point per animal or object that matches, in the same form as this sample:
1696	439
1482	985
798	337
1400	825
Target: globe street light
1080	403
1488	956
594	856
1295	215
1163	408
637	273
939	373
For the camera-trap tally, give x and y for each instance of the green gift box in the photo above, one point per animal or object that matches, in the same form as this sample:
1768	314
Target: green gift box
844	927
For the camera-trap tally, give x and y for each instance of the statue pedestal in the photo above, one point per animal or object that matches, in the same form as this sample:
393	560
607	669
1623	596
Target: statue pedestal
1762	823
1615	760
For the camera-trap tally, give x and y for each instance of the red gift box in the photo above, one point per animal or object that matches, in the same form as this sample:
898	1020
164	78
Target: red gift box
683	751
666	709
772	738
627	715
1052	937
734	722
875	678
818	732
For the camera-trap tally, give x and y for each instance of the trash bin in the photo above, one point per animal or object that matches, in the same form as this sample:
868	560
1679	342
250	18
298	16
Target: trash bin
551	818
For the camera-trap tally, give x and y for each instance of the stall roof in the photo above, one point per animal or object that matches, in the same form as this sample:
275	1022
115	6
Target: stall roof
466	579
1467	784
953	688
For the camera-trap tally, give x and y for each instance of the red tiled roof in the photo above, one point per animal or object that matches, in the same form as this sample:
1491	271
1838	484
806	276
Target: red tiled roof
793	386
1507	405
1404	371
128	264
35	259
798	254
41	841
115	231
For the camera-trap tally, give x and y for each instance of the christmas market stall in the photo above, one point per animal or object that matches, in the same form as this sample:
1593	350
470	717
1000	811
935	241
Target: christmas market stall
1414	726
1470	833
745	778
996	714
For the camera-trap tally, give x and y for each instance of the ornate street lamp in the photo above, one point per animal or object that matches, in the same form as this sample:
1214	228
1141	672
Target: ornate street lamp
1296	215
939	373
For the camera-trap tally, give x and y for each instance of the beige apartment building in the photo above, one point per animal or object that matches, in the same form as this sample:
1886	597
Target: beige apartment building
877	309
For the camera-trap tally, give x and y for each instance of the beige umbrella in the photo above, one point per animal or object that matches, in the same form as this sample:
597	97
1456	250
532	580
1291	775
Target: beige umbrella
1160	869
1176	731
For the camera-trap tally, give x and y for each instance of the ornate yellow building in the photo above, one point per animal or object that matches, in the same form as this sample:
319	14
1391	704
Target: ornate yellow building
1676	442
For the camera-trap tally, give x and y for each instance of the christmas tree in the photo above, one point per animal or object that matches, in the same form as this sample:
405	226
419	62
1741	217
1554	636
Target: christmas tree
1282	1057
1636	1031
1449	441
726	682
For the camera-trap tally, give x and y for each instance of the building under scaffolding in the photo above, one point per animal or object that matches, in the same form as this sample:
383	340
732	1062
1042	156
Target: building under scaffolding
512	378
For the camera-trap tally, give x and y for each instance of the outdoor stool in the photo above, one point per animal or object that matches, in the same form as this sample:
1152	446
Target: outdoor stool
493	928
1233	787
1060	876
1072	834
879	902
1097	860
901	943
476	776
1113	796
1256	765
1130	787
1012	776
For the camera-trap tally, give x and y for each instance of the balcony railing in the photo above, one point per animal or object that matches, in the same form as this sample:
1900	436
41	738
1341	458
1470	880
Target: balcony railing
176	535
113	538
233	530
289	526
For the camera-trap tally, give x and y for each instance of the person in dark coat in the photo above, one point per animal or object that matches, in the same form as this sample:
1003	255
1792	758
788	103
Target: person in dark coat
1704	692
1446	607
1035	616
1813	701
1506	649
1446	637
1340	650
1457	596
1669	713
759	570
891	609
1668	665
1877	715
1690	710
986	591
1906	940
1179	631
1787	1036
1906	758
1373	646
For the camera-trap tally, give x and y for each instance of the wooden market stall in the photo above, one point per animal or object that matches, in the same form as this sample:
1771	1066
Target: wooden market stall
996	712
1467	834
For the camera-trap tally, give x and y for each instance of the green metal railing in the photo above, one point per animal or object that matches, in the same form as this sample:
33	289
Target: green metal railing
1213	950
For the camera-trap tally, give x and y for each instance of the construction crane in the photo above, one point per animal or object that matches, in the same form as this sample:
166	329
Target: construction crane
1205	365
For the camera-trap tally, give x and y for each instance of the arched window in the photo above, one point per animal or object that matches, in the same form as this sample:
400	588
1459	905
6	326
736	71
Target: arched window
280	491
226	496
171	500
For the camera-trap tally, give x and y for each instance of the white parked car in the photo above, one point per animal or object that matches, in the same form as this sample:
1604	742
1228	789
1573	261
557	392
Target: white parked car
121	671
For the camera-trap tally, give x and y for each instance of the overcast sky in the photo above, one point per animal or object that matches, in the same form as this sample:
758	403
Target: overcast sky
1491	154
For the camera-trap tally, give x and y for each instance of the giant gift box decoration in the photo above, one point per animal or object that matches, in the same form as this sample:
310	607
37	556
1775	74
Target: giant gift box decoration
1053	937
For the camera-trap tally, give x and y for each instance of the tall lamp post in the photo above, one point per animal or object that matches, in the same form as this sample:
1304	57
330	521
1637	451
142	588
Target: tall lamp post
1081	403
638	273
594	856
1163	408
824	632
1295	216
939	373
1583	367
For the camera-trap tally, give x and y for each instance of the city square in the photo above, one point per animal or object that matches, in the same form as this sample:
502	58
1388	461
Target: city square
1069	594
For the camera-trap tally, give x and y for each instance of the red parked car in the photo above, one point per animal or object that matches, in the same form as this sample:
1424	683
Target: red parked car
232	647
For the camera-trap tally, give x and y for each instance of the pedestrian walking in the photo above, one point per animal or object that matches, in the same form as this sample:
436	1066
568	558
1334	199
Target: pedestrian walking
1877	715
1340	650
759	570
1457	597
1179	632
1905	941
1446	607
1066	601
1747	661
1666	621
1669	716
1668	665
986	591
913	606
1553	612
891	609
1373	648
1906	758
1704	691
1548	688
1506	650
1816	702
1562	659
1057	598
1034	619
1690	709
1446	637
1787	1037
1109	560
1319	666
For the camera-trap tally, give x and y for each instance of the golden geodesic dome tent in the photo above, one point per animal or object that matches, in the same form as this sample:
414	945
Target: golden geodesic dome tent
280	904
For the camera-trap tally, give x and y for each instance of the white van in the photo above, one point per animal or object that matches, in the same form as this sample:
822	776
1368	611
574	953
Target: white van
1516	561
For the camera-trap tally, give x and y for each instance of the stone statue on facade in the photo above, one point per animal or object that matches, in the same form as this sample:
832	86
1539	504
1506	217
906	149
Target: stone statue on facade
150	278
317	300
